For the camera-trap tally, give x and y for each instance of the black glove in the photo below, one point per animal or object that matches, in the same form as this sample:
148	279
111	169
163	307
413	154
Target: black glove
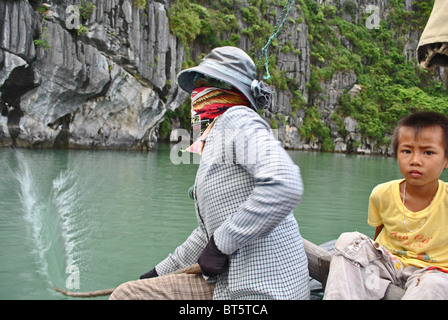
150	274
212	261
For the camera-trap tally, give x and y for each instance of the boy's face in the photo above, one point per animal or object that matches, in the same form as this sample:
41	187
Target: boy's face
421	157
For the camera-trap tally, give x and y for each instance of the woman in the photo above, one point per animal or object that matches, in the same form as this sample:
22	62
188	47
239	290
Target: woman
247	242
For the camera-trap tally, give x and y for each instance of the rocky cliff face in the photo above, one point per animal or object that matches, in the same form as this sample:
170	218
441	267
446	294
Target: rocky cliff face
321	48
98	77
102	73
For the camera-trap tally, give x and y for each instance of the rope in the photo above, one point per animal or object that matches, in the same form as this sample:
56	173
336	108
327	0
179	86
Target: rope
279	24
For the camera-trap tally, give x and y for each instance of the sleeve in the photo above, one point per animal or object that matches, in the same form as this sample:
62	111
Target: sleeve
278	183
184	255
374	216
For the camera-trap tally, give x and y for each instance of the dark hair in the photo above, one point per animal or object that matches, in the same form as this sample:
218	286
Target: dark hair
420	120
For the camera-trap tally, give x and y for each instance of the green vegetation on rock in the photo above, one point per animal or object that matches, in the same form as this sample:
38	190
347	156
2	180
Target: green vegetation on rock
392	84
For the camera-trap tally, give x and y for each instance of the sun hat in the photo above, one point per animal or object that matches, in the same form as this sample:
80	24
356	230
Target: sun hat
231	65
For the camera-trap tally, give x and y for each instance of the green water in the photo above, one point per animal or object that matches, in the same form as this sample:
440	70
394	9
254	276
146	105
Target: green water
86	220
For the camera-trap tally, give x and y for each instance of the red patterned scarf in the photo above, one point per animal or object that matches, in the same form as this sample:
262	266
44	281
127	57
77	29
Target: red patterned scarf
207	103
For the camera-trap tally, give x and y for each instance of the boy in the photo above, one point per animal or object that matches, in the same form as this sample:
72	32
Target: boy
410	216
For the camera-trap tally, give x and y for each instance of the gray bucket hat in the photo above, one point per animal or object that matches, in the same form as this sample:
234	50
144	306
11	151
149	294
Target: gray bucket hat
231	65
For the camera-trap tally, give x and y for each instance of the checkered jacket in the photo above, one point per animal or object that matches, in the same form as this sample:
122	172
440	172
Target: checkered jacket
246	189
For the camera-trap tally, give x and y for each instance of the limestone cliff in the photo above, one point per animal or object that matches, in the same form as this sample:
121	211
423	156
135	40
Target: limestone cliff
86	77
102	73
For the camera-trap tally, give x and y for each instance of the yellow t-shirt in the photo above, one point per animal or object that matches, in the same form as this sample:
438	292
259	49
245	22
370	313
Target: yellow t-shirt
427	246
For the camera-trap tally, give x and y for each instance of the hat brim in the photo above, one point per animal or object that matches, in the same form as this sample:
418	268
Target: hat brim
185	79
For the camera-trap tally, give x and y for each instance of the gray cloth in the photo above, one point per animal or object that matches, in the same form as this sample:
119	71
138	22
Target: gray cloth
361	269
246	189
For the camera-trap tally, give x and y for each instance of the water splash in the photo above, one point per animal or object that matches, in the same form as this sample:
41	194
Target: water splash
32	209
67	192
53	215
